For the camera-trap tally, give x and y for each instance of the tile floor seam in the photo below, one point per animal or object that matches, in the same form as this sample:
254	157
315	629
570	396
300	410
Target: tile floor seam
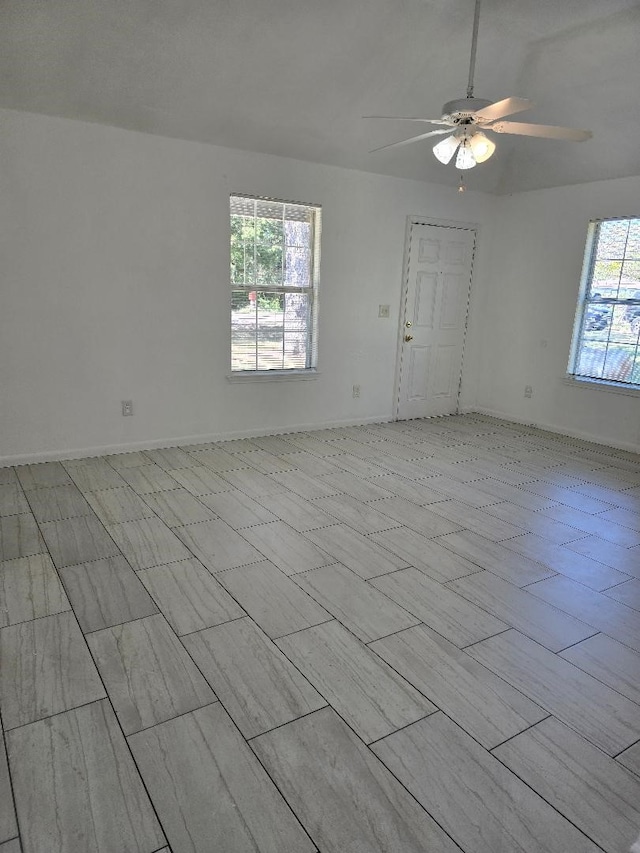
306	571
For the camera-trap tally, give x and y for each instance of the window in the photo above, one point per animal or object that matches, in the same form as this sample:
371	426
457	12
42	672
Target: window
275	254
606	337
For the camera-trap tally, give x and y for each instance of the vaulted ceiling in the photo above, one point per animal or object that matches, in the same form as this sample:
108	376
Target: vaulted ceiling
295	77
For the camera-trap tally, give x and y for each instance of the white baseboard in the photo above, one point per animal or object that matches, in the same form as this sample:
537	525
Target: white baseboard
559	430
179	441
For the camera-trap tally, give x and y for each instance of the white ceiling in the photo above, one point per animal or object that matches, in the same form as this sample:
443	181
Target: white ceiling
295	77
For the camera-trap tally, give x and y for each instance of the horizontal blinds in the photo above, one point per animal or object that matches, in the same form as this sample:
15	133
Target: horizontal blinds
264	208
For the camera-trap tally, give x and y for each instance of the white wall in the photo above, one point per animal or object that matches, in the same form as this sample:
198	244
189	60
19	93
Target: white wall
525	322
114	285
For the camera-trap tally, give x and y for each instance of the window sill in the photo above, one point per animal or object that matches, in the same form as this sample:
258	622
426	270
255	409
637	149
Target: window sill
272	375
623	388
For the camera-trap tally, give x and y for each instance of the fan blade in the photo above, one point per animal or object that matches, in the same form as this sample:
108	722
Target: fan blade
546	131
412	139
507	107
412	118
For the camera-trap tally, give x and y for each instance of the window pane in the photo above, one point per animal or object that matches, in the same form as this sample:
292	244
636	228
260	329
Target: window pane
243	330
632	318
298	234
606	278
620	331
633	240
297	267
591	360
242	250
297	324
631	273
618	363
612	239
270	331
269	245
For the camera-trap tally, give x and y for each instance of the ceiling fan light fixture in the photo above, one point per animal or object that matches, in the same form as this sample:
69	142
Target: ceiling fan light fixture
465	158
445	150
468	117
481	147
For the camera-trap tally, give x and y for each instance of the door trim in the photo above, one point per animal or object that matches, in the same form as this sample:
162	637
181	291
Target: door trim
404	289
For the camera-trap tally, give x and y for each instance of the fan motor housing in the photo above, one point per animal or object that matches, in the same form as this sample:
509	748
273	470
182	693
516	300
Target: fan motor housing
462	109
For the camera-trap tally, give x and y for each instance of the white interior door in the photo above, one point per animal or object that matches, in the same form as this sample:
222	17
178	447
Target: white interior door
439	262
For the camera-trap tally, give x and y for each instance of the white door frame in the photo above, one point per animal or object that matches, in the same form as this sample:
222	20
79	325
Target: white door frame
442	223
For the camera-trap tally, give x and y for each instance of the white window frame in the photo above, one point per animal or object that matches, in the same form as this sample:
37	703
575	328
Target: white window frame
309	371
585	301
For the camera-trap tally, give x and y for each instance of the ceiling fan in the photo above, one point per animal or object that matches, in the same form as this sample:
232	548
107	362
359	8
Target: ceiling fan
470	117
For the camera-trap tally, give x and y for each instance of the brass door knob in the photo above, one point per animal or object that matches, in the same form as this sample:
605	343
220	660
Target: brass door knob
408	338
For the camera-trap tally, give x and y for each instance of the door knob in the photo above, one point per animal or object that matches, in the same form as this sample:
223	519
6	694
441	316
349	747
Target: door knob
408	338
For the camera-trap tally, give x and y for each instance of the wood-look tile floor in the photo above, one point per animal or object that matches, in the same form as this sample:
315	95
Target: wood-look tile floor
418	637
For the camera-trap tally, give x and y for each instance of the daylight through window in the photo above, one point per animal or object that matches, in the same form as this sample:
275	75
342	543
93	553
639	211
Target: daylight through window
275	254
606	337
